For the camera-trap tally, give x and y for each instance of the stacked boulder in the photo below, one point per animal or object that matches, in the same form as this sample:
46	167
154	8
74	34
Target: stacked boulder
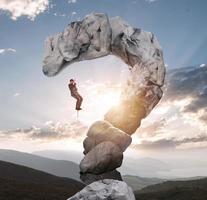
103	149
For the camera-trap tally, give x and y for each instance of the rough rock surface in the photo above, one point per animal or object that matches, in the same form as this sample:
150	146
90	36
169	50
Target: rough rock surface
105	189
102	131
103	149
96	36
104	157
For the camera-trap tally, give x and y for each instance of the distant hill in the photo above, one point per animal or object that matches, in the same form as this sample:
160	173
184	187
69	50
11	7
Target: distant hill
137	183
56	167
73	156
145	167
175	190
23	183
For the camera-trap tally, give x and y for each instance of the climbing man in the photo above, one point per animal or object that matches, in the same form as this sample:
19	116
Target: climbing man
74	93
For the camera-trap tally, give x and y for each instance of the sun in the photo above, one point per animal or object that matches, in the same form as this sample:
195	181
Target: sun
106	99
99	100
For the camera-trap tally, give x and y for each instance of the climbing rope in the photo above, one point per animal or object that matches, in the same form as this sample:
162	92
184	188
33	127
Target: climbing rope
77	115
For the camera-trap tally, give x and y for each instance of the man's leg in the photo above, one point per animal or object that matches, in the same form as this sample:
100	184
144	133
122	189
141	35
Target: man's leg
79	101
74	95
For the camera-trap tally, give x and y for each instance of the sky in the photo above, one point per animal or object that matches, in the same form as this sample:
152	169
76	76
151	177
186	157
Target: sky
37	112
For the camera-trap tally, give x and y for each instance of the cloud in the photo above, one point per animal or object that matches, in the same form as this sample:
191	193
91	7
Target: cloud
183	121
203	65
59	15
16	94
156	145
170	143
152	129
203	117
72	15
188	84
150	1
29	8
8	50
49	132
185	82
72	1
197	103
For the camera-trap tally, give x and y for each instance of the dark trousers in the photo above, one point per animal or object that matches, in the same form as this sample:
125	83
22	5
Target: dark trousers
79	99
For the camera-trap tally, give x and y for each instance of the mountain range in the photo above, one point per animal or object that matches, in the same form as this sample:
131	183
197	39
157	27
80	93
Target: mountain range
60	168
146	167
23	182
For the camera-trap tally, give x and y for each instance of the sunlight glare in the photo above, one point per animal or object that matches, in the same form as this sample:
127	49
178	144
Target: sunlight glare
106	100
99	101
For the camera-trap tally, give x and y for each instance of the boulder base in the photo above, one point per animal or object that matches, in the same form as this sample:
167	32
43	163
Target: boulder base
105	190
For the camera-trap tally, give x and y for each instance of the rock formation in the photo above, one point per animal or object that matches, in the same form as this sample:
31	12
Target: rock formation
105	189
97	36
